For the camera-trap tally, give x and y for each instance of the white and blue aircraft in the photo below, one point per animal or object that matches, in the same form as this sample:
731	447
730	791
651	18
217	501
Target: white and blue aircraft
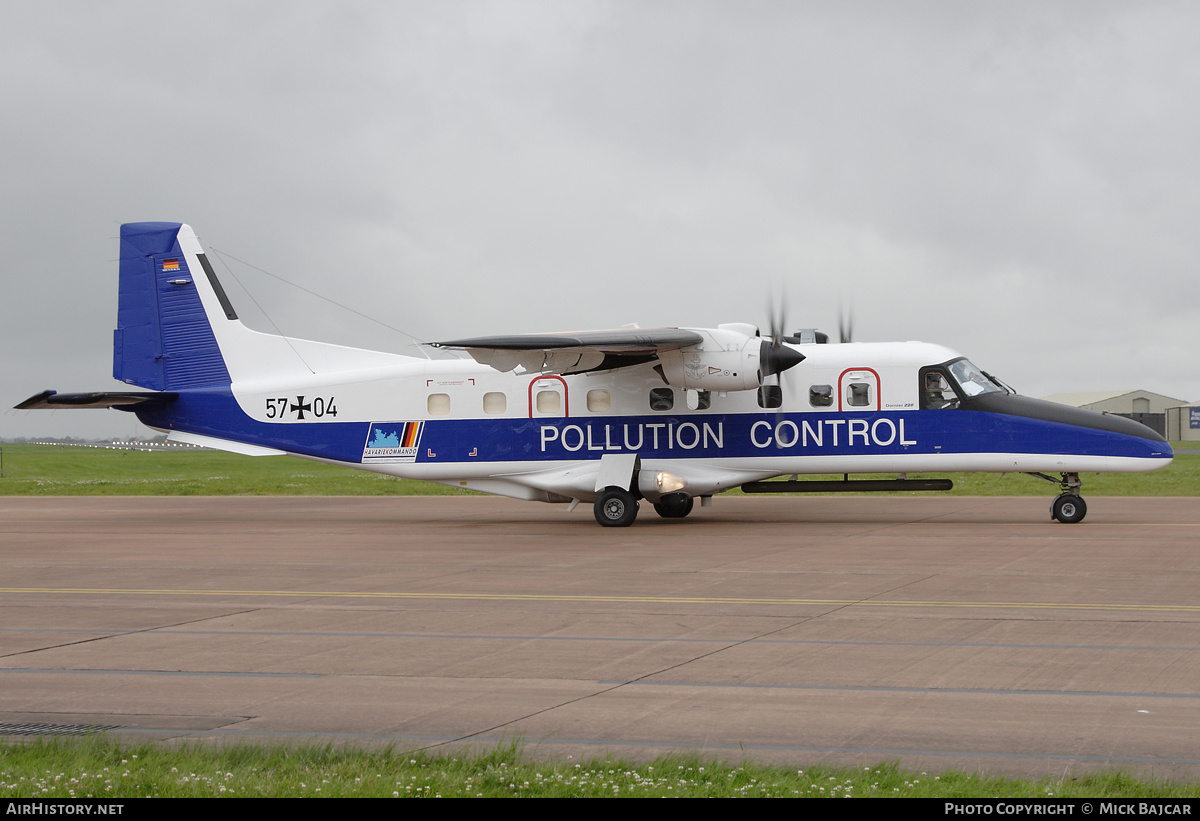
608	417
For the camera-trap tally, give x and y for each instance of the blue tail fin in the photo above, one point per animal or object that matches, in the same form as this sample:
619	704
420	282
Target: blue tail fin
163	339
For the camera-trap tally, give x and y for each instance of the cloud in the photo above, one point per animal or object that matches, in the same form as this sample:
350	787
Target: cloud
1017	183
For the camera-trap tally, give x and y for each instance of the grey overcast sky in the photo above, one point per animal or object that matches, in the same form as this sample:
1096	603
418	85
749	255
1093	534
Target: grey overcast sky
1016	180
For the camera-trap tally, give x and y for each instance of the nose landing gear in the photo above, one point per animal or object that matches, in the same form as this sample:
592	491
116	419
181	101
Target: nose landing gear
1068	507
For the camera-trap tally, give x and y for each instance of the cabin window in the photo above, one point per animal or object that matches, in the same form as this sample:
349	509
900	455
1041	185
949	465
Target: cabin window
495	402
662	399
858	394
438	404
599	401
820	396
699	400
549	402
770	396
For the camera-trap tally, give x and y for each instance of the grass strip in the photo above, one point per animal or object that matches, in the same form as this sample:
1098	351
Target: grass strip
67	470
100	767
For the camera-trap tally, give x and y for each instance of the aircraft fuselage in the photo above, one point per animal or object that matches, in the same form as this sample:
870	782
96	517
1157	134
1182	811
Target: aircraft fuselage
536	436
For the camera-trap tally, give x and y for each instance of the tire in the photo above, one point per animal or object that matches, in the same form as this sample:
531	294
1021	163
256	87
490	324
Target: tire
1068	508
615	507
674	506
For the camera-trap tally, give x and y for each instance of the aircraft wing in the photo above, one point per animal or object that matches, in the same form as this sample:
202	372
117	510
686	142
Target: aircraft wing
573	352
49	400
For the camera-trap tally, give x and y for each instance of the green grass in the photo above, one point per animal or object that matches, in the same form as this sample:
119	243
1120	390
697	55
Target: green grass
70	470
100	767
1180	478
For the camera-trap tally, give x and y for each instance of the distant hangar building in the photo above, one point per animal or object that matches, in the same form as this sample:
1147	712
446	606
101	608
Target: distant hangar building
1142	406
1183	423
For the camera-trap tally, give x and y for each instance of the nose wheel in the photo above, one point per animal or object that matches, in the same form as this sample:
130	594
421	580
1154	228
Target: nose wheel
1068	508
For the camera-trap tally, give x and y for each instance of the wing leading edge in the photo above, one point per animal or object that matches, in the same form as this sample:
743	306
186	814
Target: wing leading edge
573	352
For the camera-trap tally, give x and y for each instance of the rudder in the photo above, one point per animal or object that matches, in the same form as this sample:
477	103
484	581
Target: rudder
163	340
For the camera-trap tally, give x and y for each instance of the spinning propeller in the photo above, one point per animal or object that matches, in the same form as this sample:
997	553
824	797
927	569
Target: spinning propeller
845	325
774	358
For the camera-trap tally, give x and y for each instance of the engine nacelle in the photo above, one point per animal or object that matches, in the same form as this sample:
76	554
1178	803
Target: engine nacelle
713	370
731	358
727	360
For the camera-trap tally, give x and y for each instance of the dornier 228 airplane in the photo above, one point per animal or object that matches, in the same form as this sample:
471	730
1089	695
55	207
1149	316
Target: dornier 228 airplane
609	417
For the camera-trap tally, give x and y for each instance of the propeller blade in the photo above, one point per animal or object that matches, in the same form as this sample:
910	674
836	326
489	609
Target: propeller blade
846	325
774	356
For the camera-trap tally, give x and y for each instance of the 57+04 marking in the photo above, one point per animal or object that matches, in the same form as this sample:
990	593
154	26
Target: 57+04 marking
317	407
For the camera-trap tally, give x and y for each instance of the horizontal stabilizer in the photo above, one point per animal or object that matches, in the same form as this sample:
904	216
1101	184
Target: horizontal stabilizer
49	400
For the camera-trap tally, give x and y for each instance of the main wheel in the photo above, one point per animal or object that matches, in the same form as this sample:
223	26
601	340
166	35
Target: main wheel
674	506
1068	508
615	507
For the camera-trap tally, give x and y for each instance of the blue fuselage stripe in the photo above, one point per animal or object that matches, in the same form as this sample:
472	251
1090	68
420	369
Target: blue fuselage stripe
215	412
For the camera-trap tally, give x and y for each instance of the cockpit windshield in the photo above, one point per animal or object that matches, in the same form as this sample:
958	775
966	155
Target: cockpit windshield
971	380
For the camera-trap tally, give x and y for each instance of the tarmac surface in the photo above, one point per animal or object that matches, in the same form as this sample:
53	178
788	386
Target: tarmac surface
937	632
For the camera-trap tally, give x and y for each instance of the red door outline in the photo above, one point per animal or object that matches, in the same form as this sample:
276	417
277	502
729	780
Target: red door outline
878	387
566	404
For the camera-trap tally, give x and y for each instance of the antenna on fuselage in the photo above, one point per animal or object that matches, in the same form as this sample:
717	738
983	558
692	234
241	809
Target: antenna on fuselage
417	342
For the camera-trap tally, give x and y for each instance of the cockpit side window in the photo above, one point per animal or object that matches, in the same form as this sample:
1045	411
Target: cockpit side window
949	384
936	392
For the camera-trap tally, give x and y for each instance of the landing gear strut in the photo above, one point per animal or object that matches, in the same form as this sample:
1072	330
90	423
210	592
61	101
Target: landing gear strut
1068	507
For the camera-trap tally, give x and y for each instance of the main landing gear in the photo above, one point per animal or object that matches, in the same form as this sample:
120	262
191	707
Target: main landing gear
1068	507
674	506
615	507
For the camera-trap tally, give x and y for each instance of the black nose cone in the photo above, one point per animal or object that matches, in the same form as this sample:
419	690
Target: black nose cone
777	358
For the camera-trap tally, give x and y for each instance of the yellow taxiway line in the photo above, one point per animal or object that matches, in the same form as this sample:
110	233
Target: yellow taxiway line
596	599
